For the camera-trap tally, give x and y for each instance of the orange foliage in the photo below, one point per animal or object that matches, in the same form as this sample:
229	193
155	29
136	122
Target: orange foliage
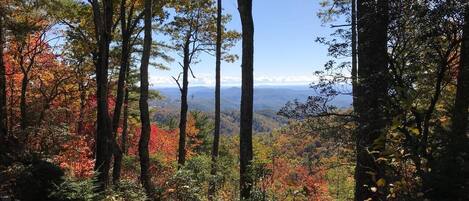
53	101
192	141
162	142
163	146
76	157
287	175
286	179
165	142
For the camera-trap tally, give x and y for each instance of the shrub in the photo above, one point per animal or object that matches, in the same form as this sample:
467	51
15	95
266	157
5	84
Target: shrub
85	190
75	190
126	190
190	182
37	181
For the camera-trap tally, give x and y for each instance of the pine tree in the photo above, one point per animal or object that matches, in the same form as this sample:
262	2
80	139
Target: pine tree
247	65
216	132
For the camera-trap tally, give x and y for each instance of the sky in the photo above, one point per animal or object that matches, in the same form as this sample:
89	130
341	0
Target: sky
285	51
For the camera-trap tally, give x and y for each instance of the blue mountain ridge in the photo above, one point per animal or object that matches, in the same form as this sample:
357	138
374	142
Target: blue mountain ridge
265	97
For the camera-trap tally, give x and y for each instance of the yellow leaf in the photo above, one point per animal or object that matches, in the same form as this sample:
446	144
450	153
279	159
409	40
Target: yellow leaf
415	131
381	182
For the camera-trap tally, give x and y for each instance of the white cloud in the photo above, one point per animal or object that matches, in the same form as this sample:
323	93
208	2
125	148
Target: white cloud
160	80
209	80
283	80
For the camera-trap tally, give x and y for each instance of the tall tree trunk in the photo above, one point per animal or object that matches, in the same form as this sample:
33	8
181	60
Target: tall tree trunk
125	122
117	166
460	111
246	153
143	102
3	96
216	133
23	104
124	64
371	98
183	116
103	28
458	166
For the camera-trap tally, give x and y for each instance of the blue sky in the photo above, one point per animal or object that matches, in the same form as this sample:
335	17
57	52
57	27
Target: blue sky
284	49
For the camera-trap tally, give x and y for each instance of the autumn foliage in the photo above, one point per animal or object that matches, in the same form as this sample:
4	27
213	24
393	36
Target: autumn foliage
76	157
52	103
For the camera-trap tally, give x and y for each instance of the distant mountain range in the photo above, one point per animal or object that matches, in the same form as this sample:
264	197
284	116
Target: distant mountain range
265	97
268	100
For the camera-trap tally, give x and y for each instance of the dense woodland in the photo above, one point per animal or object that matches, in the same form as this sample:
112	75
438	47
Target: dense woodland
76	124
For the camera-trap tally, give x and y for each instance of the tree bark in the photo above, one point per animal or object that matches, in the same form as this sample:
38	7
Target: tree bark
25	70
460	111
371	98
184	107
457	169
124	64
23	106
246	153
103	28
3	100
125	122
216	133
143	102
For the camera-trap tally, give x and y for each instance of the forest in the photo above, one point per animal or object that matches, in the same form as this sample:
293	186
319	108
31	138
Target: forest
384	118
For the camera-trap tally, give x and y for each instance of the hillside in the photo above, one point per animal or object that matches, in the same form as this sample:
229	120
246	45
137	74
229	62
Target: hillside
264	121
267	102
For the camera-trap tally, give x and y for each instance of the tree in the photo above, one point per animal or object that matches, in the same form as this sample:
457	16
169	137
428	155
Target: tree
371	99
31	53
79	49
128	26
3	104
216	132
103	22
457	167
193	32
28	41
124	137
186	28
460	110
423	48
27	56
245	145
143	102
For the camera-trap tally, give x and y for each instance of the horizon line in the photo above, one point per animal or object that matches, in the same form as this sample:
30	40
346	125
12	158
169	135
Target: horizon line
235	85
